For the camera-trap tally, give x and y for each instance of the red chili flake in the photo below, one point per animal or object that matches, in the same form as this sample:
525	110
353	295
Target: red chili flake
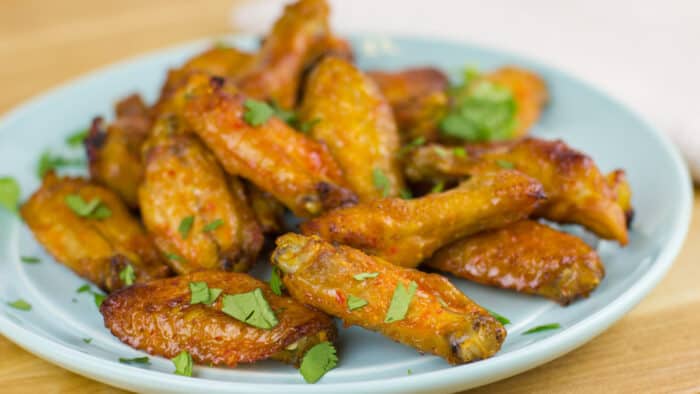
340	297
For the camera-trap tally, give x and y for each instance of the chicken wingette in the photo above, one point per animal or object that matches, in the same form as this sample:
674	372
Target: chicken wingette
89	229
526	256
199	218
347	112
576	190
159	317
295	169
268	211
424	311
405	232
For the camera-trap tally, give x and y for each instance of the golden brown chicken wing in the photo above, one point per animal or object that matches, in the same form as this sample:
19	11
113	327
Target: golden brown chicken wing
268	211
199	218
348	113
295	169
405	232
158	317
526	256
617	180
429	315
97	238
576	190
418	97
297	39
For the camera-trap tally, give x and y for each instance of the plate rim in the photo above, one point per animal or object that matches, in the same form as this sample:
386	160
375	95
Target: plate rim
509	364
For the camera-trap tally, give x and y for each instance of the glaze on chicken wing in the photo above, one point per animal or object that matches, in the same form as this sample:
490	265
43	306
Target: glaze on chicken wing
576	190
296	170
157	317
198	217
268	211
348	113
96	249
405	232
440	319
526	256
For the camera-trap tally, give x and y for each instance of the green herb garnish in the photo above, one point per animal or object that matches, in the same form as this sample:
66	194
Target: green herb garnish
98	298
439	187
502	319
87	340
355	302
200	293
30	259
365	275
251	308
505	164
183	364
9	194
76	139
289	117
305	127
20	304
213	225
135	360
545	327
400	302
257	112
317	361
84	288
185	226
412	145
381	182
459	152
405	194
174	257
48	162
275	281
127	275
92	210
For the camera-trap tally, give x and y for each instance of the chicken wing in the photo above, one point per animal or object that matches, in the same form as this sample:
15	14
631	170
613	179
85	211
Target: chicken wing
405	232
576	190
268	211
157	317
97	248
526	256
189	207
439	319
295	169
348	113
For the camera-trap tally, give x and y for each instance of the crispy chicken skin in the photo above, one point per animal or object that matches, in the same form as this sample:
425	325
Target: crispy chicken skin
576	190
114	150
349	114
440	319
526	256
268	211
617	180
300	35
182	179
157	317
405	232
418	98
96	249
529	92
294	168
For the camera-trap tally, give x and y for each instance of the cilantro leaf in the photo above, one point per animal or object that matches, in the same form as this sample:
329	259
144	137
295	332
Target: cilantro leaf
365	275
305	127
202	294
20	304
256	112
439	187
505	164
502	319
9	194
289	117
544	327
127	275
185	226
276	282
84	288
412	145
250	308
381	182
183	364
400	302
98	298
48	162
76	139
92	210
174	257
459	152
355	302
405	194
135	360
317	361
30	259
213	225
87	340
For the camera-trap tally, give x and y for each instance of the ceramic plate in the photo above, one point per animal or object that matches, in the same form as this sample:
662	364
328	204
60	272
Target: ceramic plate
586	118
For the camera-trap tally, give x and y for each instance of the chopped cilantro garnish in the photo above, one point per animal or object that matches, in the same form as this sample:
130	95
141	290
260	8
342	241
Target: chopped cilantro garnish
185	226
405	194
317	361
305	127
365	275
505	164
92	210
381	182
174	257
9	194
30	259
545	327
502	319
459	152
289	117
202	294
439	187
275	281
98	298
135	360
213	225
87	340
400	302
47	162
82	289
183	364
76	139
127	275
251	308
257	112
412	145
355	302
20	304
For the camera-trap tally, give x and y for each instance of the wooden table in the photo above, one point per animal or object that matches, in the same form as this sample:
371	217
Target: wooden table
656	347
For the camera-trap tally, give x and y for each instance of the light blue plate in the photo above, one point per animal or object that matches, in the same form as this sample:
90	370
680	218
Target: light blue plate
586	118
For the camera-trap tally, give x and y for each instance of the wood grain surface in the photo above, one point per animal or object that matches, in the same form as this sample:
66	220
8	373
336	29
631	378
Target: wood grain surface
655	348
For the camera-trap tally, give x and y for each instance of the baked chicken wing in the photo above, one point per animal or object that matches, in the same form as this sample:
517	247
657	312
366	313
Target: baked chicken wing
576	190
438	319
98	239
296	170
348	113
158	318
526	256
198	217
405	232
268	211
